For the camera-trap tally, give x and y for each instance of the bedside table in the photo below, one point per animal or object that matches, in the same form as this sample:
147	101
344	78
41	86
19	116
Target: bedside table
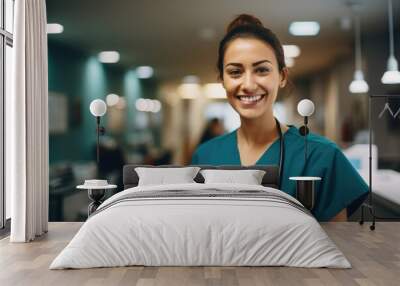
96	195
305	190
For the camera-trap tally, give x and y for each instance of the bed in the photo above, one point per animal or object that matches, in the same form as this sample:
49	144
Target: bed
201	224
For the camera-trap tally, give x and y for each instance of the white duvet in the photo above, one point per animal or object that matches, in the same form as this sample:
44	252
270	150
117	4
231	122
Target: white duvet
183	231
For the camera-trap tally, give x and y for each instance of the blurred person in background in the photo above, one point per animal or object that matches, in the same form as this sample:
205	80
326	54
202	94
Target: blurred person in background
214	128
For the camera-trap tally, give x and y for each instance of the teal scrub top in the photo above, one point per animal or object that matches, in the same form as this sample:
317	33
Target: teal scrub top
341	185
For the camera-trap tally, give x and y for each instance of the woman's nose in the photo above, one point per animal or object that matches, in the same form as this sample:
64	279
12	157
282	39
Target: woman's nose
249	83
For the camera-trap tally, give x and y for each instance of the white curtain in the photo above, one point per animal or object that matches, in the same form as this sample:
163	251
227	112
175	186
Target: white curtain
27	124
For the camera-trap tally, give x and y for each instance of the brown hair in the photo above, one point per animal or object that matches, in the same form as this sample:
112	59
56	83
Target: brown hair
248	26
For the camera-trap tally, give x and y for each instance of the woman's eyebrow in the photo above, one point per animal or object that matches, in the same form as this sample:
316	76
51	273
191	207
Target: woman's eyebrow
254	64
234	64
261	62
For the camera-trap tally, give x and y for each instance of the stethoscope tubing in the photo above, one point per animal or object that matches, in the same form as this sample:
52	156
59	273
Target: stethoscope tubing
281	153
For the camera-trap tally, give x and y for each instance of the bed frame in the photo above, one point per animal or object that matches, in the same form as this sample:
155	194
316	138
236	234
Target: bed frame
270	179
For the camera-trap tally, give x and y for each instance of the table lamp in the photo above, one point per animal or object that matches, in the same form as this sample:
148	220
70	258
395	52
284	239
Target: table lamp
305	186
305	108
98	108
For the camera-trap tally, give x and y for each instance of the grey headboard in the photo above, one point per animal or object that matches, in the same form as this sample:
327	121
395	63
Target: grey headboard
270	179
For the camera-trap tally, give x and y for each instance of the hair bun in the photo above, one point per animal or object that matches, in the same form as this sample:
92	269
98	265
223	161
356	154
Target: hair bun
243	20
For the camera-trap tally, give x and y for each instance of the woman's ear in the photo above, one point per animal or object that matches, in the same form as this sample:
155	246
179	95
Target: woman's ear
283	77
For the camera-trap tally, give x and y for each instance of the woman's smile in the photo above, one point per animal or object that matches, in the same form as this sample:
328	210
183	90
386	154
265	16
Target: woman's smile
250	100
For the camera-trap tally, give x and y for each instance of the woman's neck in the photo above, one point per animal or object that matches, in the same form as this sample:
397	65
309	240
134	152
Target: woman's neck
259	132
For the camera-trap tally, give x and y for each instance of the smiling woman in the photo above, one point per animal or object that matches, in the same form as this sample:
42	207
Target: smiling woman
252	79
252	70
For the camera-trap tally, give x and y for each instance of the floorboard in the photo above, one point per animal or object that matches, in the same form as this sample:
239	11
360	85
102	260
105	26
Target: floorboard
374	255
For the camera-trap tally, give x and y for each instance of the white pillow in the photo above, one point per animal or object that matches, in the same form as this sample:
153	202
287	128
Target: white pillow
248	177
164	176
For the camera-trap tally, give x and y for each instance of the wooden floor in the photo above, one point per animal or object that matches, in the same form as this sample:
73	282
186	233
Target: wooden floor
375	257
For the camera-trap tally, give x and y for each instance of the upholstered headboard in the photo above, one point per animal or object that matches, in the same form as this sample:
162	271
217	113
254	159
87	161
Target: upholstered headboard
270	179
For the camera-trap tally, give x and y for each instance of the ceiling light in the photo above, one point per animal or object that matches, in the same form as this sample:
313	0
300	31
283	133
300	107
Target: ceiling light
358	85
121	104
306	28
112	99
191	79
144	72
109	57
214	90
289	62
148	105
141	104
392	74
54	28
189	90
291	51
156	106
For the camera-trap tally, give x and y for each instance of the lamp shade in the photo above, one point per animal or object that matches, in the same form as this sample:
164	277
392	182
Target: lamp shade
305	107
98	107
358	85
392	74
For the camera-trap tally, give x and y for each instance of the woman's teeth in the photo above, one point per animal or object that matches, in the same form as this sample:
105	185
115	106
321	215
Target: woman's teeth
249	99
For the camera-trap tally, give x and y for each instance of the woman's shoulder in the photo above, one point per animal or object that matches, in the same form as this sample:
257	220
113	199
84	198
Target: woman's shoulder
320	149
313	139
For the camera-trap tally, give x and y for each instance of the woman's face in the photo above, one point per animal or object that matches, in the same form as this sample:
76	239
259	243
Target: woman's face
251	77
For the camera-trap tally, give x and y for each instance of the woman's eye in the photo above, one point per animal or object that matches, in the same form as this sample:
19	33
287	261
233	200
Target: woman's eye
262	70
234	72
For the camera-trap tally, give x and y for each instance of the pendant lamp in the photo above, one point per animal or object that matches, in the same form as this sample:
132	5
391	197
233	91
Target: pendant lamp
358	85
392	74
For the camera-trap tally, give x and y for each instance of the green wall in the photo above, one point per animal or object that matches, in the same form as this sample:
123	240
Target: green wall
82	78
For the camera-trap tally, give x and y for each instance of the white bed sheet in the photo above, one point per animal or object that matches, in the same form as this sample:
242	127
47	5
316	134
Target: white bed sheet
200	231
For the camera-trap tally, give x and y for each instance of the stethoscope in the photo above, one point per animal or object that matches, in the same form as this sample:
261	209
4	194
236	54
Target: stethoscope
303	132
281	153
